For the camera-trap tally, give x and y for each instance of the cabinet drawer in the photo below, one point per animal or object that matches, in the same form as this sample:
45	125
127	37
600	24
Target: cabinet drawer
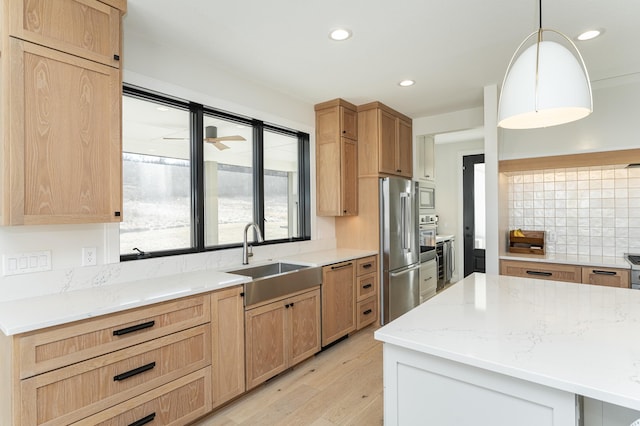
56	347
367	286
85	28
540	270
77	391
366	265
367	312
175	403
612	277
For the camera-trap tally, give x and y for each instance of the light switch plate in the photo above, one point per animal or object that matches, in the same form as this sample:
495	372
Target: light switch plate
26	263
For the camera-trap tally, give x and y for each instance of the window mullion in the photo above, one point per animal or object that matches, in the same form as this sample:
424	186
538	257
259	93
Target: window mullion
197	175
304	179
258	174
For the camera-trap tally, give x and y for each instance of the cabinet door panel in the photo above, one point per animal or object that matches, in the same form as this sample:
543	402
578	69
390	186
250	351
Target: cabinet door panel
338	301
265	343
328	167
387	143
349	180
349	123
227	337
304	311
404	152
65	138
611	277
85	28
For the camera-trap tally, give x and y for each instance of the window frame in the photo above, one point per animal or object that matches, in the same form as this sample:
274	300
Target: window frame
197	112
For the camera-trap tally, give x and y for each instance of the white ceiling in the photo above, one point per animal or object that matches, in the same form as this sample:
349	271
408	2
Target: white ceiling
452	49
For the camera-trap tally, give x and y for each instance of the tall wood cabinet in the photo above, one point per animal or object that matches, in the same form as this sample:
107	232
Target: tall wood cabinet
385	141
61	143
336	158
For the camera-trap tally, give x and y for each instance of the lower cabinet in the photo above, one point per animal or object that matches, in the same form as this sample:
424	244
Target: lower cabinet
176	403
613	277
227	341
338	301
280	334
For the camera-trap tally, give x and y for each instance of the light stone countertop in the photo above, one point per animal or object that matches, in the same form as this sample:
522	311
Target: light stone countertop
573	337
572	259
33	313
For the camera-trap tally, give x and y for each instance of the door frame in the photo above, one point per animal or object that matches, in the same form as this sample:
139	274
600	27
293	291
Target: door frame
468	264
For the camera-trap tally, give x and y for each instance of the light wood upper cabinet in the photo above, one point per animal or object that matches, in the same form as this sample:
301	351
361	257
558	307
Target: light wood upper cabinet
85	28
385	145
61	155
336	159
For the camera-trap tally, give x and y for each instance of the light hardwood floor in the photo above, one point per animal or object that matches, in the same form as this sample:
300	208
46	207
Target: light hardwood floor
339	386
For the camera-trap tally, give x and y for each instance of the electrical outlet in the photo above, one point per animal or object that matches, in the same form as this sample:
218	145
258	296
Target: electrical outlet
25	263
89	256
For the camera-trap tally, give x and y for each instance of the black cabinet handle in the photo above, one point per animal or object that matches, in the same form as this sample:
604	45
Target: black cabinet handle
539	273
367	286
398	170
341	266
134	372
292	304
367	312
133	328
367	266
600	272
144	420
116	57
287	306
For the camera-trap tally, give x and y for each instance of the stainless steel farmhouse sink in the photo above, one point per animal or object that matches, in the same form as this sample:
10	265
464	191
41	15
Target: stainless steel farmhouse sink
277	279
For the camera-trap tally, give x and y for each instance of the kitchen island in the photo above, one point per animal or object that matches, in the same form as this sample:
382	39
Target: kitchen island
502	350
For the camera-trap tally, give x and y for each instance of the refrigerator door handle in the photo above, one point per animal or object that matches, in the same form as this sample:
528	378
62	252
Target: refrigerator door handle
403	219
397	274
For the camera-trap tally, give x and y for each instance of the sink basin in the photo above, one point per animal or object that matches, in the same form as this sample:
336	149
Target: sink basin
278	279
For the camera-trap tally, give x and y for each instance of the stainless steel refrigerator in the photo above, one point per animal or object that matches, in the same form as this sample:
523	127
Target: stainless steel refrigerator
399	247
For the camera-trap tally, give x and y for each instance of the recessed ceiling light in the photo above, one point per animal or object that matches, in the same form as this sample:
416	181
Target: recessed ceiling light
162	108
588	35
339	34
407	83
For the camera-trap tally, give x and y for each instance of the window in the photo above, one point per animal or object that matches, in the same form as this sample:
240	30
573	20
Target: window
183	162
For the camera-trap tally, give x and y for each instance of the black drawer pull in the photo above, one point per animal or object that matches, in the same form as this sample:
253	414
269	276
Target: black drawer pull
367	312
134	328
367	266
144	420
133	372
539	273
600	272
367	286
341	266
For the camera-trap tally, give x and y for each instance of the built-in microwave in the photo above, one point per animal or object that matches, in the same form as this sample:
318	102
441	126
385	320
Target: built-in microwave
426	198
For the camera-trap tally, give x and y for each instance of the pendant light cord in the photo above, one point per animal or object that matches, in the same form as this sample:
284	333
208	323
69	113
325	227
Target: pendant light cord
540	17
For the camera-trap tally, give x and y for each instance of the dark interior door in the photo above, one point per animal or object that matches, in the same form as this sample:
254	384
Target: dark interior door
473	211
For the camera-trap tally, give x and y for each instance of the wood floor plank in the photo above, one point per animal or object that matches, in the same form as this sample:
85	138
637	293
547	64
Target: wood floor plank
340	386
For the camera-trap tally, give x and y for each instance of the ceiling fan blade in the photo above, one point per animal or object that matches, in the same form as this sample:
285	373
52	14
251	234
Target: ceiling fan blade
225	138
218	145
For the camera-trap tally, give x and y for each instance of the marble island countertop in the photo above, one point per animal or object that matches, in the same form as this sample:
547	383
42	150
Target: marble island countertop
573	337
33	313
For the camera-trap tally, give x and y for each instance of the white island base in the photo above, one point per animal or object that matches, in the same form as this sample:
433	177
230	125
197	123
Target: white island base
422	389
497	350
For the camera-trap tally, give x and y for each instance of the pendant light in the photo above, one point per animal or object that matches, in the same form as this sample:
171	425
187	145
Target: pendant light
547	85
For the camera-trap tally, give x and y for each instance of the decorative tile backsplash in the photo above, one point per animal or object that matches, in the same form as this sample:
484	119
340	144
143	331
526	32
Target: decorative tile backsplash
585	211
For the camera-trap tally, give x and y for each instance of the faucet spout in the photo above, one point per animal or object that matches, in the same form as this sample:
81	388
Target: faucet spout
245	247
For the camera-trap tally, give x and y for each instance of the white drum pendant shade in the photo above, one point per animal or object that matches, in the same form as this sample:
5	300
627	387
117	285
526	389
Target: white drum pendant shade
562	93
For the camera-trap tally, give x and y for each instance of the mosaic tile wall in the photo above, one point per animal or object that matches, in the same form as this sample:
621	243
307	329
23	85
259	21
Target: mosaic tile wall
584	211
